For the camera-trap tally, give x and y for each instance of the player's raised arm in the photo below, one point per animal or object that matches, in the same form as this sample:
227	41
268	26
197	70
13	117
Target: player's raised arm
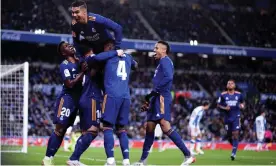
116	28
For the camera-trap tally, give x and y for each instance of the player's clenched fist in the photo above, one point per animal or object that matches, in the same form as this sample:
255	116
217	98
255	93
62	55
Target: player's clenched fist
120	52
145	107
84	66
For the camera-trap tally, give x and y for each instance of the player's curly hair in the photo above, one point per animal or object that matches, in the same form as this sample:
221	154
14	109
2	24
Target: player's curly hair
59	47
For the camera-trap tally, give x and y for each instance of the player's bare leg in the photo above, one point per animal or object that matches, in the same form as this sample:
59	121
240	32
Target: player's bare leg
83	143
235	137
176	138
148	142
123	138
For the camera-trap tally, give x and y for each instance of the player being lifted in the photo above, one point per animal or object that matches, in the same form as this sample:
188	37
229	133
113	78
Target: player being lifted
158	104
259	128
194	128
90	102
67	102
116	104
232	102
93	27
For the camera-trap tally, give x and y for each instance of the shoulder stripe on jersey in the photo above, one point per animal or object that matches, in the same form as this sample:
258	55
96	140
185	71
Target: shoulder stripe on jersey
65	62
91	18
238	92
223	92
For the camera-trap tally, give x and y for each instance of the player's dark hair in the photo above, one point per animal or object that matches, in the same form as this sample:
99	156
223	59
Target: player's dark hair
109	41
84	47
205	103
79	3
261	112
166	44
59	47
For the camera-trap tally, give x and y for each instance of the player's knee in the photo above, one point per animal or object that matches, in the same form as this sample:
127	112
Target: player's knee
235	135
168	132
165	126
60	130
120	129
150	126
93	130
107	126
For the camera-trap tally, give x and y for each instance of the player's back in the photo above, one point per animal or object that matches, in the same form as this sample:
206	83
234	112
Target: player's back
116	76
196	116
260	124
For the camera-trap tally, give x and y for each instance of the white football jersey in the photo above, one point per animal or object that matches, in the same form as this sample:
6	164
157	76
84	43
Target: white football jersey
196	116
260	123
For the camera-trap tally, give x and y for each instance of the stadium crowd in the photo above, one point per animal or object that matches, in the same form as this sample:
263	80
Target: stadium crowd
42	103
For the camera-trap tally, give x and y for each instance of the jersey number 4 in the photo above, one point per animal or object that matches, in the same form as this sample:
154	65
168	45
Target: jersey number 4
121	70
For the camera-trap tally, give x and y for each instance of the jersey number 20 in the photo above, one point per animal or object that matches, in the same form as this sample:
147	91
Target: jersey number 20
121	70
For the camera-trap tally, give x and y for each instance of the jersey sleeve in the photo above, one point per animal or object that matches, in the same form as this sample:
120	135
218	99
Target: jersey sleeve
221	100
65	72
101	56
76	37
116	28
241	99
168	74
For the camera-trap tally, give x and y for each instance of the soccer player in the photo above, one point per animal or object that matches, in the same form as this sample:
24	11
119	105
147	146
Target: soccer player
232	102
259	128
116	104
90	104
93	27
194	128
158	104
66	104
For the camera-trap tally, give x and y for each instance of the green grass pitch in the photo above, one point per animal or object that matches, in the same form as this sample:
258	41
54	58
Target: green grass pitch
96	156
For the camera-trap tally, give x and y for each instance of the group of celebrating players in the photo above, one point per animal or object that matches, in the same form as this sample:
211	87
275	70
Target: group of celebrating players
96	76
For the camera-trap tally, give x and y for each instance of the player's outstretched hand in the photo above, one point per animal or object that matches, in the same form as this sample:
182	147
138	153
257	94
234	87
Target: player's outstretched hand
145	107
120	53
84	66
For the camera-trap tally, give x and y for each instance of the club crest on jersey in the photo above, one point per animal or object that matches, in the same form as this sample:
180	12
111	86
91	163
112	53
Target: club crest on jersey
93	30
236	98
226	98
82	32
73	69
92	18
